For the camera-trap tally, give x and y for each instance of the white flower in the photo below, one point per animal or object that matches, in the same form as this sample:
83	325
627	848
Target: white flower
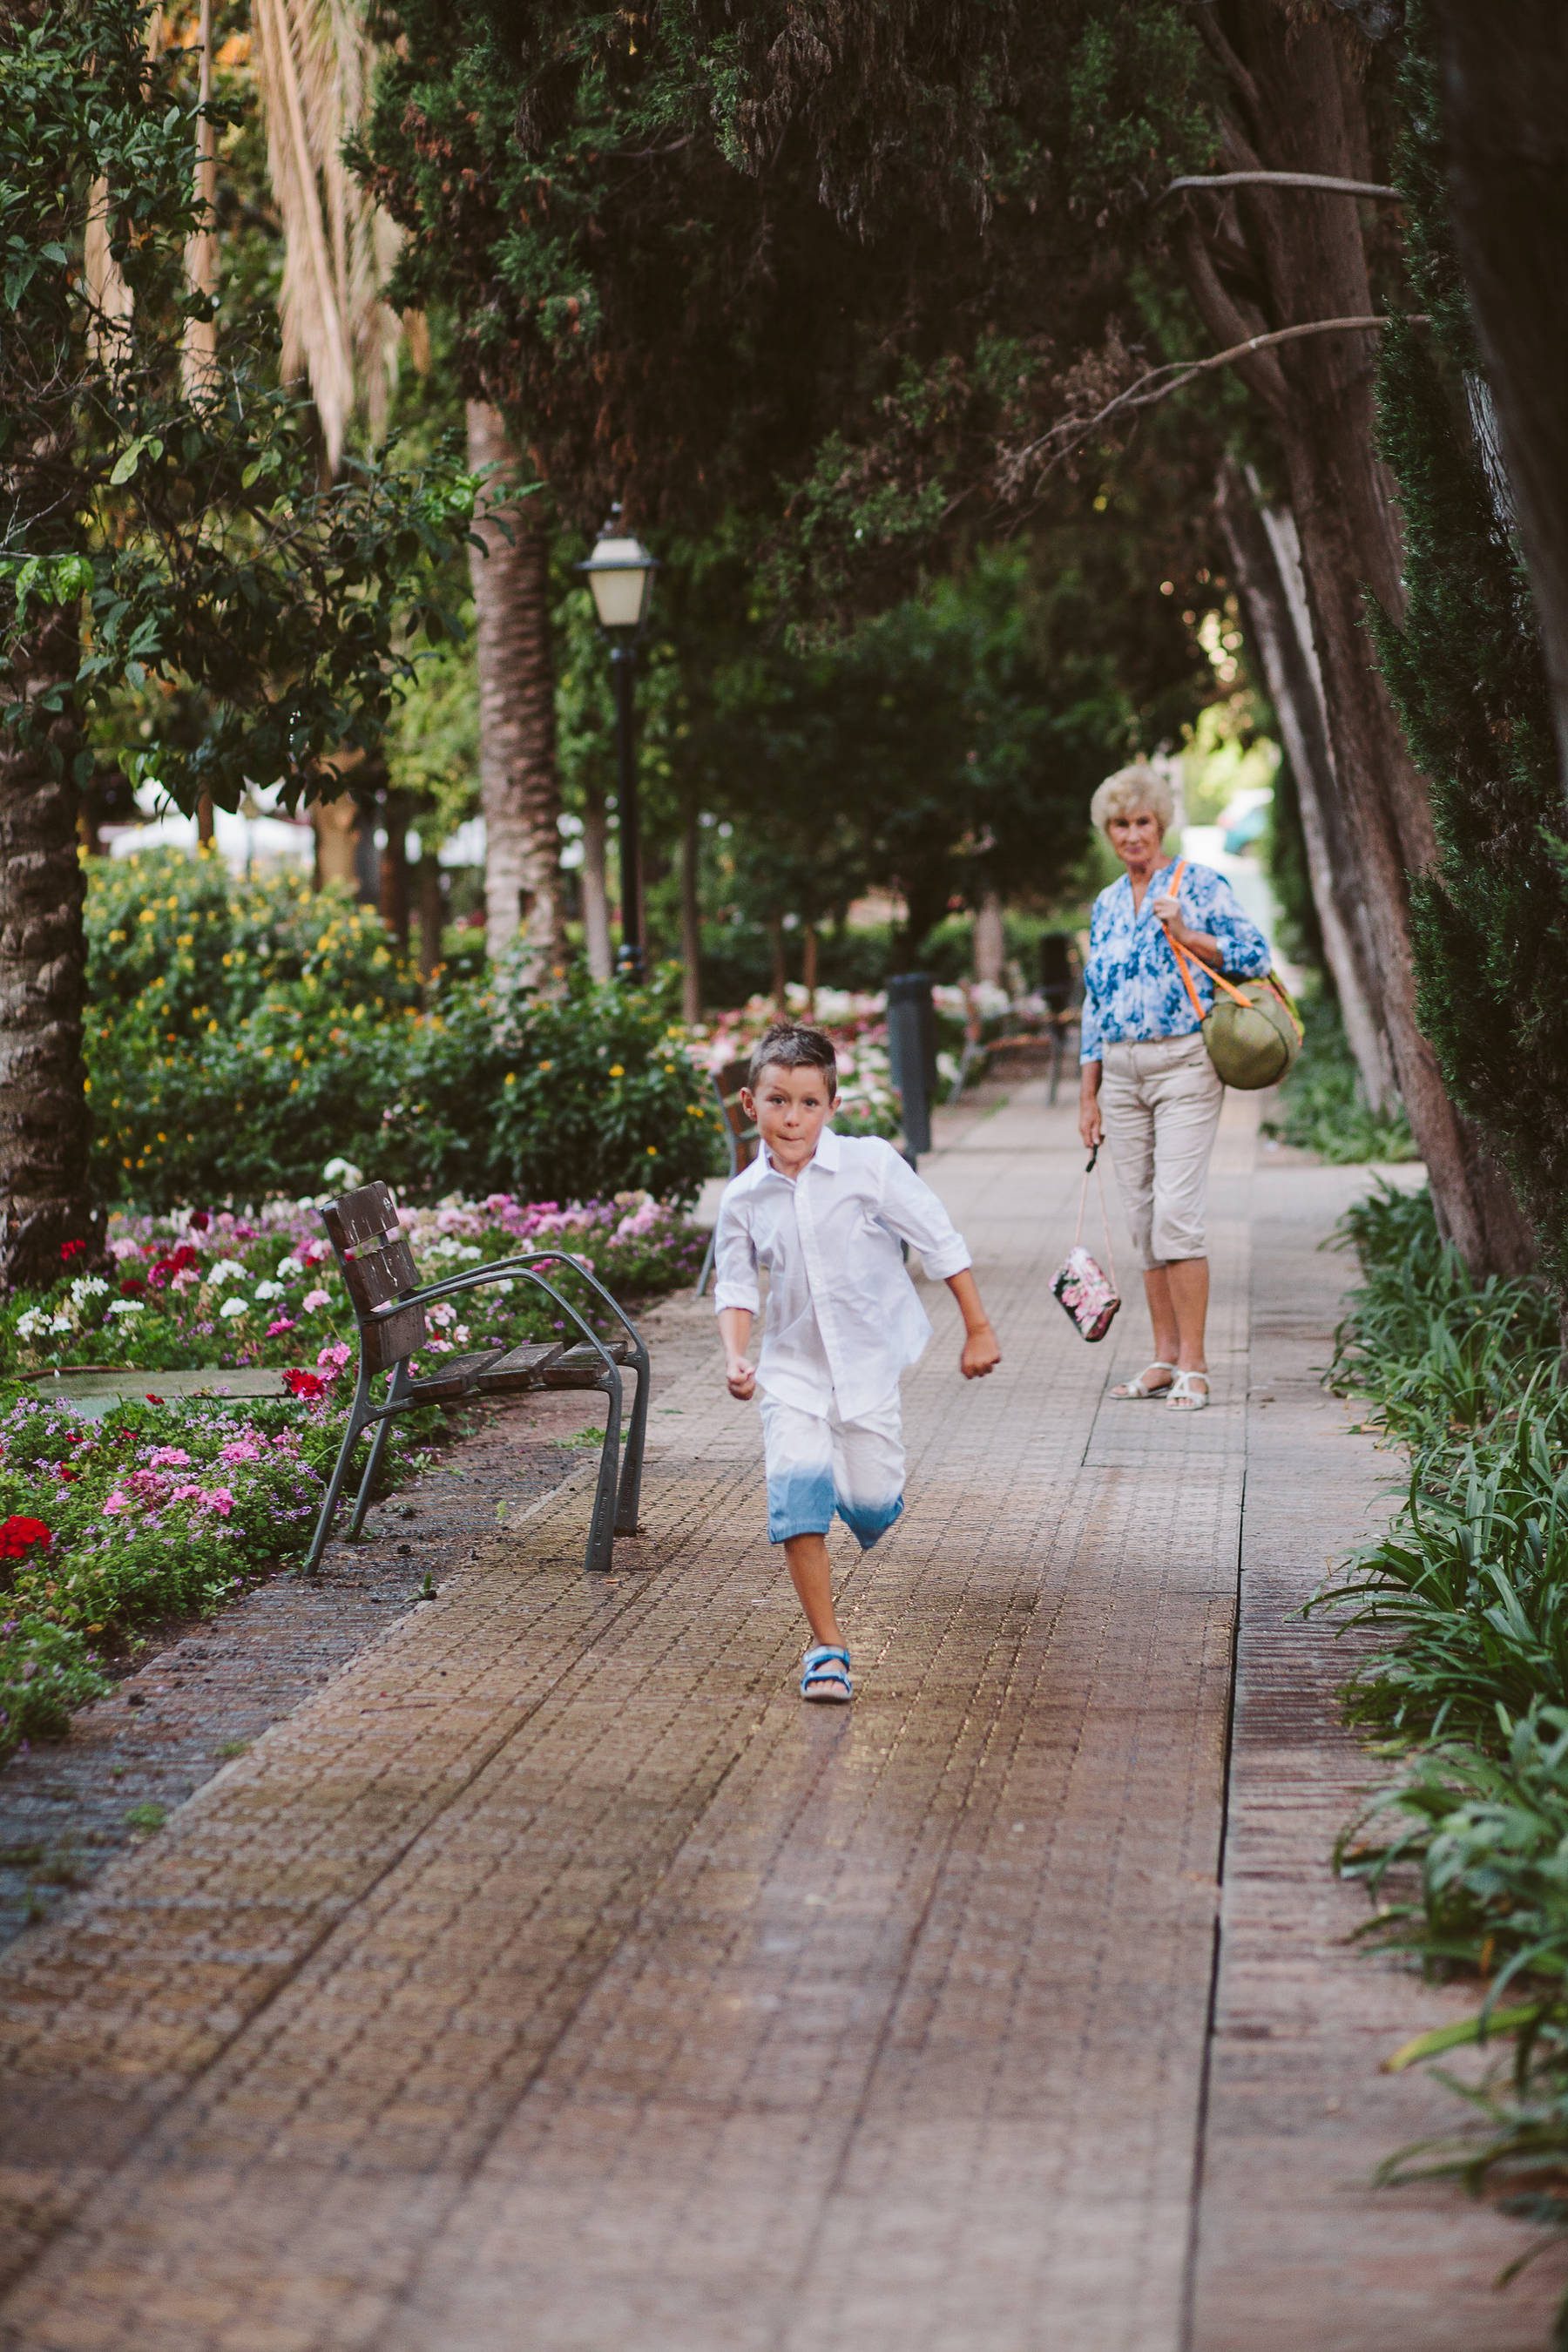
504	1284
447	1248
232	1306
227	1269
30	1325
124	1306
64	1323
288	1268
86	1287
344	1172
471	1253
264	1290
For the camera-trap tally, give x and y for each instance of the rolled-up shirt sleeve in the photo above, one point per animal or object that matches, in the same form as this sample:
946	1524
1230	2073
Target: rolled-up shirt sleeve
734	1263
1223	916
913	1211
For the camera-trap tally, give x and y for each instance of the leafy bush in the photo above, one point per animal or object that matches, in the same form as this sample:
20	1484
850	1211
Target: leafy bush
239	1038
1321	1106
1467	1852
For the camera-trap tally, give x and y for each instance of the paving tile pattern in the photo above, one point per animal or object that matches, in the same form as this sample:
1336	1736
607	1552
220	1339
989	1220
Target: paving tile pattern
551	1977
554	1958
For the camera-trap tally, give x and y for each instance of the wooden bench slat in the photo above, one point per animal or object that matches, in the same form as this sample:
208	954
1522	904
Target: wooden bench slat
523	1367
457	1375
581	1366
361	1217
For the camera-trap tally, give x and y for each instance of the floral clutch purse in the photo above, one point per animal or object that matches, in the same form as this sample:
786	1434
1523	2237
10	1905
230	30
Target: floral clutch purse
1088	1294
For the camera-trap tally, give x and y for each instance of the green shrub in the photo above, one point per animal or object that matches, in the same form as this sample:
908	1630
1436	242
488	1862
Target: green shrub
239	1039
1321	1106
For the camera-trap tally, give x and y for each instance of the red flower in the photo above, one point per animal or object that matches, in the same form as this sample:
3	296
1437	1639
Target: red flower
200	1221
65	1475
308	1385
69	1250
18	1535
131	1286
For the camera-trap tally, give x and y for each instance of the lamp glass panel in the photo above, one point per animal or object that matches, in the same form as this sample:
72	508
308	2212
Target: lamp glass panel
617	596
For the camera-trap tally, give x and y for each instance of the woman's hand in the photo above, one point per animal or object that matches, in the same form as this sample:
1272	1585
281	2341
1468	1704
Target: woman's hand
1090	1125
1168	911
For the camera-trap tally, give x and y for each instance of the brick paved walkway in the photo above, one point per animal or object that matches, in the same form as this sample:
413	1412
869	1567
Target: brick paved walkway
550	1978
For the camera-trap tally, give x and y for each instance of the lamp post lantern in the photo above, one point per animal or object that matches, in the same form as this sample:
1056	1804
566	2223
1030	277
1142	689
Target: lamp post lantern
620	575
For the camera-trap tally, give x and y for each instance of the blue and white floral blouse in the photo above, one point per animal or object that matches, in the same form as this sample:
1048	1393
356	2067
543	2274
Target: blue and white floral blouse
1132	987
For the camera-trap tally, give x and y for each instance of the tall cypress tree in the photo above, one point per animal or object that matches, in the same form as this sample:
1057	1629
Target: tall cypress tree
1466	670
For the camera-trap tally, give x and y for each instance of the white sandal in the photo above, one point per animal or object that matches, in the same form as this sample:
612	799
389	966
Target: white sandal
1126	1391
1181	1397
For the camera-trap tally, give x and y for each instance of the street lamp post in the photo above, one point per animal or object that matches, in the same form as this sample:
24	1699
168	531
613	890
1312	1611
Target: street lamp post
620	575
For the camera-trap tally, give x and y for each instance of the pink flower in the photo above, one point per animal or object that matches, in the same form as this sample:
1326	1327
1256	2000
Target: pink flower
240	1449
168	1458
313	1299
219	1499
284	1323
115	1501
333	1360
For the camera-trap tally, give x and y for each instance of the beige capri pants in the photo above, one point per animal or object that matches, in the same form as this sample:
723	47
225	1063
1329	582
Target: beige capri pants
1161	1101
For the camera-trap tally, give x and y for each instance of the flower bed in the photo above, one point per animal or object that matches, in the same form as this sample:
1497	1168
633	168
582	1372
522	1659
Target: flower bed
156	1508
192	1289
857	1021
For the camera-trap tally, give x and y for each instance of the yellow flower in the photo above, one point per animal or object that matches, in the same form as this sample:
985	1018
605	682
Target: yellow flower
161	1137
211	1028
547	1065
653	1151
617	1071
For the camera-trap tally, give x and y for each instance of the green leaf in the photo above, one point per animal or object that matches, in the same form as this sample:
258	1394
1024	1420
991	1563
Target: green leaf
130	457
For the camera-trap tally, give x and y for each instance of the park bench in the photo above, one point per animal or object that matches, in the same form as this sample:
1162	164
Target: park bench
389	1307
739	1136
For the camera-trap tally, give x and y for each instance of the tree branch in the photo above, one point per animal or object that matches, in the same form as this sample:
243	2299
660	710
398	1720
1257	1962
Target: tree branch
1071	432
1284	180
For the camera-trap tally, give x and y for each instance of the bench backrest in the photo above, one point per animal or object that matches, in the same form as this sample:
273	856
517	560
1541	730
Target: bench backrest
728	1080
378	1269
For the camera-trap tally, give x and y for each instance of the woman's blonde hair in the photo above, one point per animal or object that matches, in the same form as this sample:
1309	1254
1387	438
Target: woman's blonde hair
1130	792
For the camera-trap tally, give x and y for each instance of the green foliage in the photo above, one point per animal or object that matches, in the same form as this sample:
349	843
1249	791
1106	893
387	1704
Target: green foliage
46	1672
1321	1105
1465	670
159	539
239	1039
1464	1853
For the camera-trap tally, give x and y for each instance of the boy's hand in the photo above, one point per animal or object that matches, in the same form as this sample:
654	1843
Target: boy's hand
980	1354
742	1378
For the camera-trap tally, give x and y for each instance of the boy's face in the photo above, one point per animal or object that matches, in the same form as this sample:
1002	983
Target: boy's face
791	1109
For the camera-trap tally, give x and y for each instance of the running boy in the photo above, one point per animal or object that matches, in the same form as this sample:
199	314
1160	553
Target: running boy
826	1213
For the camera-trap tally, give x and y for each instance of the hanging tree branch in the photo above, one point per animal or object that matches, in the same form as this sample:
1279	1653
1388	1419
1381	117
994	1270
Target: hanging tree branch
1071	432
1285	180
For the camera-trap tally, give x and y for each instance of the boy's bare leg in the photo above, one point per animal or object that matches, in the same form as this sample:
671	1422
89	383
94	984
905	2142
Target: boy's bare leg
813	1579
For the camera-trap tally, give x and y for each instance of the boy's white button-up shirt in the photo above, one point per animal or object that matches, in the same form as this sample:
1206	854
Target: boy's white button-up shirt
843	1317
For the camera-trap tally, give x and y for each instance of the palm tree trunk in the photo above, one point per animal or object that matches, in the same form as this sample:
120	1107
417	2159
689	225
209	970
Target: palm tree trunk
45	1200
519	784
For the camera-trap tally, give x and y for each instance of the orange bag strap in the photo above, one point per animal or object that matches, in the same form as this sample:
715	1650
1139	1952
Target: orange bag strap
1218	978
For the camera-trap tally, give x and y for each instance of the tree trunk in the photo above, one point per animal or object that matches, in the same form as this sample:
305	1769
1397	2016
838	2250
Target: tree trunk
780	965
395	908
1265	560
595	887
808	945
45	1198
336	827
518	785
1505	119
1299	107
691	918
990	940
432	912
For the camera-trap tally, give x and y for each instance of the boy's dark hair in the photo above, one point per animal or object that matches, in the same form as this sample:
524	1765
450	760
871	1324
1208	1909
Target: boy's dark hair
792	1047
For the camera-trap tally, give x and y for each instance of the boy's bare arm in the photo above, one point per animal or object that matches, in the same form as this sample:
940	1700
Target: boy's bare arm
981	1353
735	1330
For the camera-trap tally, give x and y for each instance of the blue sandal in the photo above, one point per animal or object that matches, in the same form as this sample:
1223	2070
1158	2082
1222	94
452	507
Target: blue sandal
827	1676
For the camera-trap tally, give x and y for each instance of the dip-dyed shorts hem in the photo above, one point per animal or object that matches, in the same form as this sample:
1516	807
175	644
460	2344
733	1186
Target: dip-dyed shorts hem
819	1464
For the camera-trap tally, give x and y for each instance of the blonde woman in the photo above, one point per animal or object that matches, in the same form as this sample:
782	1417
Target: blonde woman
1149	1088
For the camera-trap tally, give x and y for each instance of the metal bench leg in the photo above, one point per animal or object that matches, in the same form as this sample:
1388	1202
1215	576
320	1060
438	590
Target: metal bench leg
629	1500
601	1553
336	1483
377	1448
707	1264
